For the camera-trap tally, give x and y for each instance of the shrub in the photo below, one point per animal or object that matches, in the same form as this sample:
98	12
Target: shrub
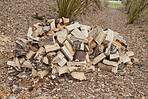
71	8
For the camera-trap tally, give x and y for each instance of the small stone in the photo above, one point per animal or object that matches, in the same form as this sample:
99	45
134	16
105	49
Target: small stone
16	90
70	81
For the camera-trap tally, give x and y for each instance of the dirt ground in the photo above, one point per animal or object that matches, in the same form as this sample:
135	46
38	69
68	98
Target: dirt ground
16	17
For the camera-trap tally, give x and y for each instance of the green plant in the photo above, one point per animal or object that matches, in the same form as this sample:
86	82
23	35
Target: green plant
71	8
137	10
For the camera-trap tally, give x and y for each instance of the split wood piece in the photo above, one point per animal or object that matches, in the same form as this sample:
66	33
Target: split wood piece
11	63
71	69
85	33
83	63
69	47
62	70
67	53
34	72
88	60
124	58
45	40
107	68
58	58
27	64
78	75
51	54
73	38
29	35
61	36
93	33
107	51
93	44
80	55
52	47
90	39
122	41
45	60
115	36
77	45
30	54
19	52
69	38
83	27
17	63
78	34
60	27
21	60
130	53
52	25
39	52
101	48
41	74
114	56
117	44
62	62
37	31
66	20
23	45
54	69
50	33
99	58
100	37
107	62
72	26
110	35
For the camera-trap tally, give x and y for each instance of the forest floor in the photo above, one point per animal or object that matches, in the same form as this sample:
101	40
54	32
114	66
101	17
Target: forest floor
16	17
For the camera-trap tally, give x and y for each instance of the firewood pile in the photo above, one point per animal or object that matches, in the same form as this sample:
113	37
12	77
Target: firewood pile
61	46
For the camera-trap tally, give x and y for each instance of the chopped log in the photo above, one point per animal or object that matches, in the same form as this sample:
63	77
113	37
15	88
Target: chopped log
60	27
114	56
99	39
83	63
107	62
38	30
78	34
66	20
107	51
80	55
41	74
46	28
84	30
45	60
93	33
21	60
73	38
11	63
67	53
69	47
117	44
122	41
45	40
62	62
29	35
71	69
88	60
124	58
58	58
39	52
61	36
69	38
52	47
62	70
27	64
99	58
10	55
23	45
90	39
93	44
78	75
110	35
130	53
113	49
72	26
107	68
52	25
77	45
51	54
30	54
17	63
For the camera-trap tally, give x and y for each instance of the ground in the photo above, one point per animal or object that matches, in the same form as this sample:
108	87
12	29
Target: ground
16	17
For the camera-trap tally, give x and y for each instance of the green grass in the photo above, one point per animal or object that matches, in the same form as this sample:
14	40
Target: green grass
114	4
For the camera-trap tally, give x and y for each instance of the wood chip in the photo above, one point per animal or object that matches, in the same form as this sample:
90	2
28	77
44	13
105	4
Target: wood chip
78	75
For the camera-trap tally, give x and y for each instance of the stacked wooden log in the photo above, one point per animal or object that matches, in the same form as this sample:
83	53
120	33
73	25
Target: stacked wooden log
62	46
